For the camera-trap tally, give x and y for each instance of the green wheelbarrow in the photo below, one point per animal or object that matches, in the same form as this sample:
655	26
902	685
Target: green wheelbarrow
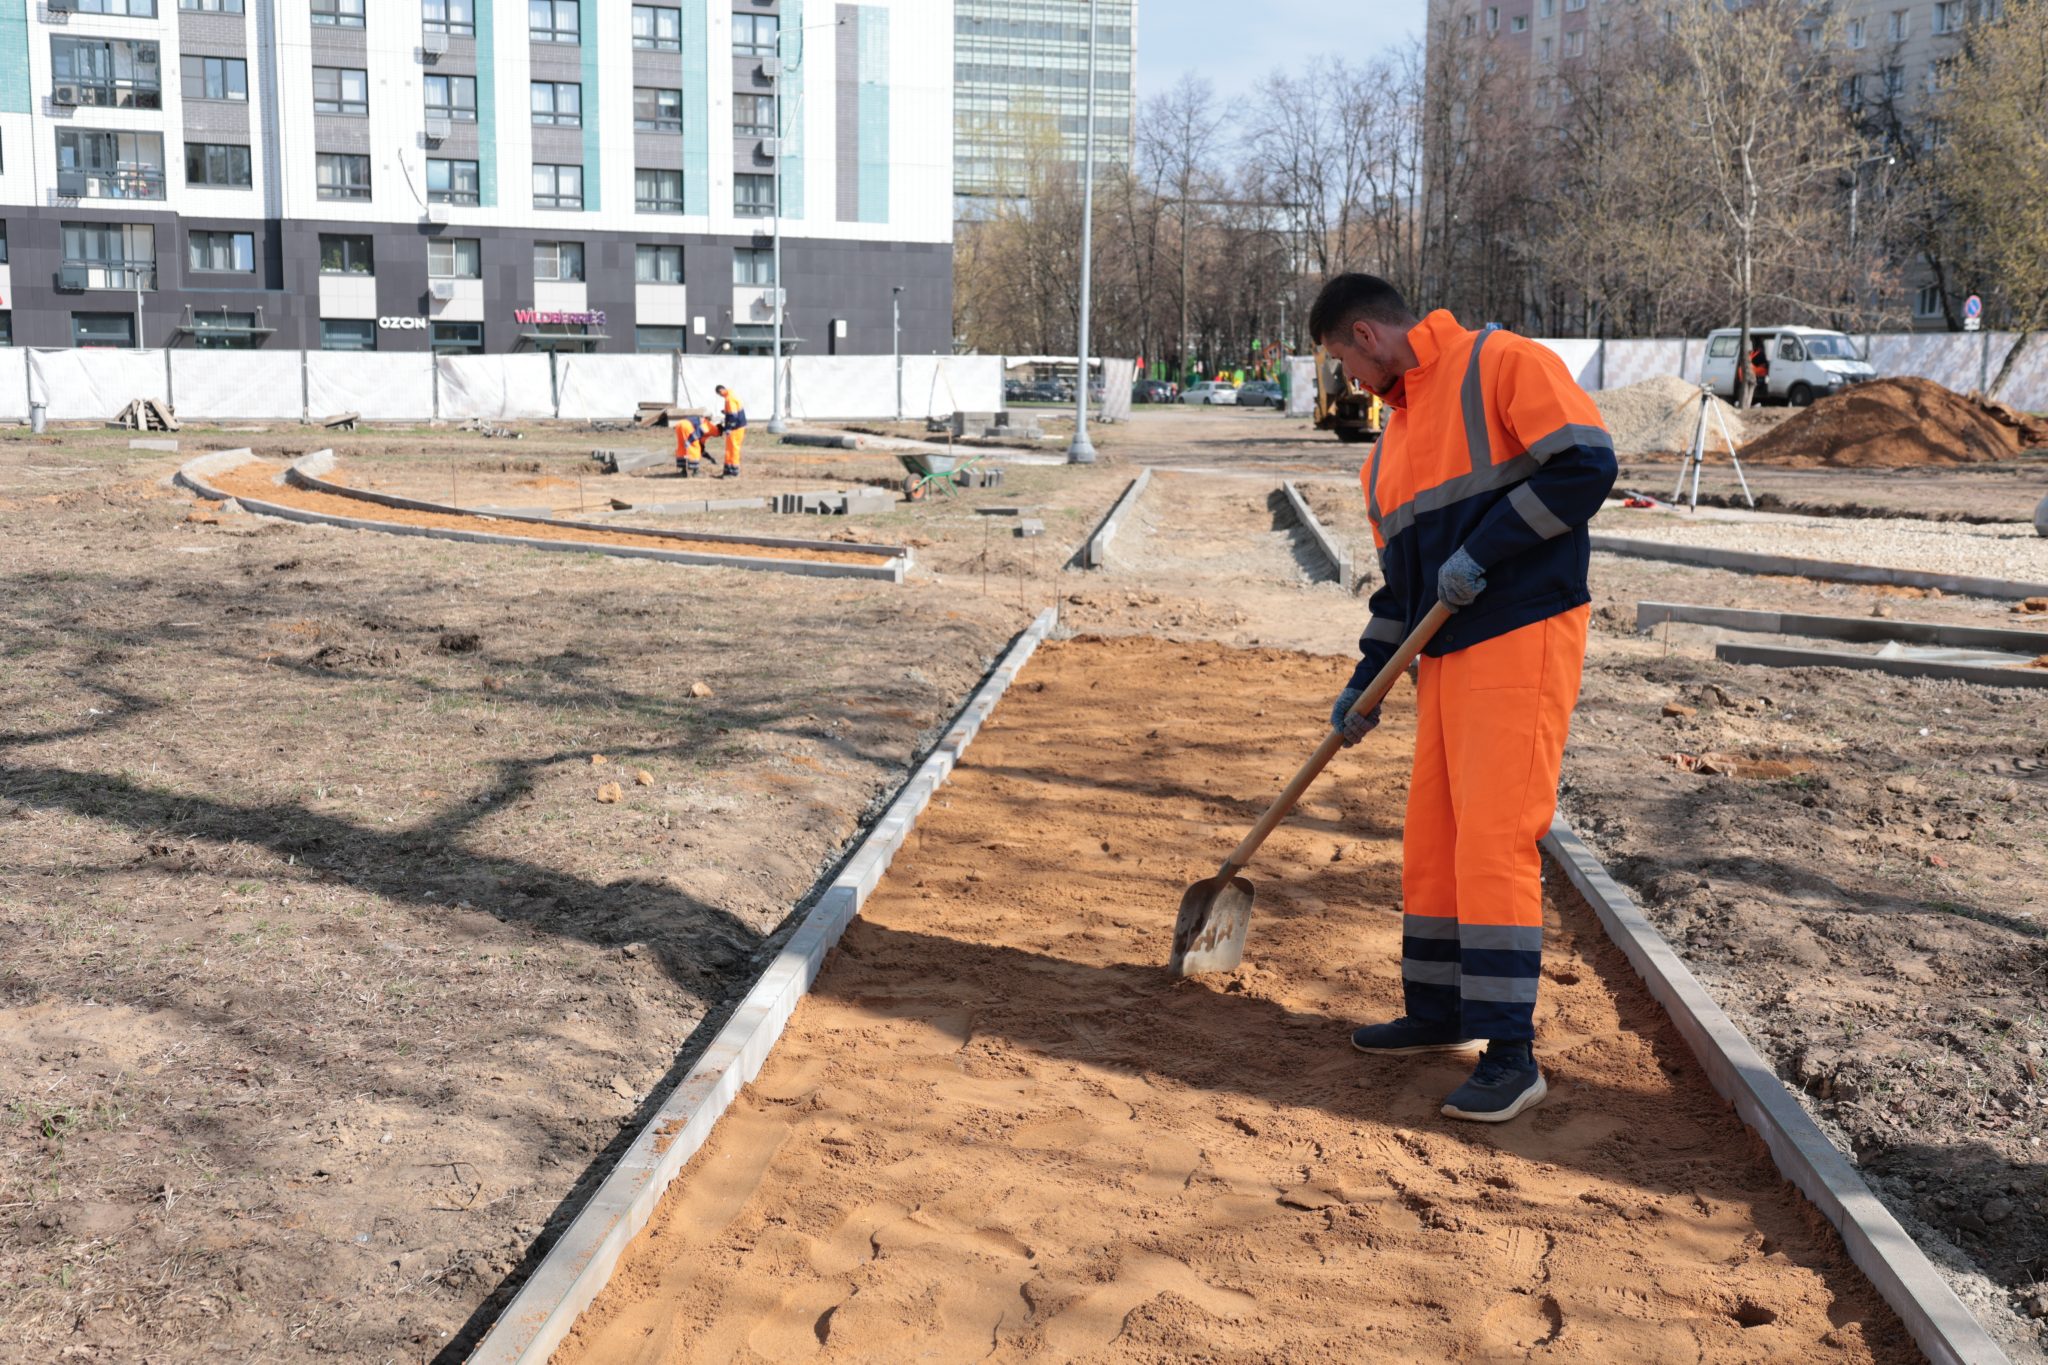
927	473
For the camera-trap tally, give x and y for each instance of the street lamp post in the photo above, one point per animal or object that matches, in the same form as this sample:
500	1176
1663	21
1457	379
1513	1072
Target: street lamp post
1082	451
776	426
896	342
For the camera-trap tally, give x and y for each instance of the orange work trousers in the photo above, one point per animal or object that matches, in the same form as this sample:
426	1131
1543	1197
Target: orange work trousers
1491	722
735	437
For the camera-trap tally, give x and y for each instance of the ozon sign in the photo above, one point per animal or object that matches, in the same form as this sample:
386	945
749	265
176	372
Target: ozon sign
401	324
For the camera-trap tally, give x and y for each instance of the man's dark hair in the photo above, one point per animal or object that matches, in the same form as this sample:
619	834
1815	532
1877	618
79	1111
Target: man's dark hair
1348	298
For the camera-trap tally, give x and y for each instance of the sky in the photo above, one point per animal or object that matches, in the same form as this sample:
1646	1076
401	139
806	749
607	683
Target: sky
1235	45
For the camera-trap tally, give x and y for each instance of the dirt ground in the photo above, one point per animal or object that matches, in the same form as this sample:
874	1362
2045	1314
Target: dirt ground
211	713
999	1131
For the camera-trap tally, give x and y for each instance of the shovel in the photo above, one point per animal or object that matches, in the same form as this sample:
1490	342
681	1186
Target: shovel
1215	914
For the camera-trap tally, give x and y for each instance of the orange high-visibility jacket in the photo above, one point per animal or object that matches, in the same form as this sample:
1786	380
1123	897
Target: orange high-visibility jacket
1495	449
735	415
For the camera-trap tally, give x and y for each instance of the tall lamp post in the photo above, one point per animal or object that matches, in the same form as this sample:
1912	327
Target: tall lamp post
896	342
1082	451
776	426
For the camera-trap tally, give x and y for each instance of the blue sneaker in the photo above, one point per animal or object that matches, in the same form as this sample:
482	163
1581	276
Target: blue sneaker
1408	1034
1506	1081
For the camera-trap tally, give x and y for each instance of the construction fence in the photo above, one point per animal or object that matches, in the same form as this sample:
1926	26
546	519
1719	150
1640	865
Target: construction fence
211	385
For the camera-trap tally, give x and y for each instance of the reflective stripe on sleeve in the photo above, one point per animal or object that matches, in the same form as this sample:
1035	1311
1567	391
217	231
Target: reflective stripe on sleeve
1384	630
1541	519
1565	437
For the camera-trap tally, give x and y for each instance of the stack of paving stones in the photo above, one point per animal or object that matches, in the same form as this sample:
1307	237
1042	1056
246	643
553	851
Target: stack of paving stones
836	504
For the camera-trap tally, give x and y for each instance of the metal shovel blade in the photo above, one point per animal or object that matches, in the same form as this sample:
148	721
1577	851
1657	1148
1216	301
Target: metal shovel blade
1209	934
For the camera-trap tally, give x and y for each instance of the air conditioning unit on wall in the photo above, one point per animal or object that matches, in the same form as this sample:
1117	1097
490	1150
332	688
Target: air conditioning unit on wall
433	46
442	290
438	129
66	95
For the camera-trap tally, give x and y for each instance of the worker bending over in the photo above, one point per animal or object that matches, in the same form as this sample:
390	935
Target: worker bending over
1492	463
690	444
734	424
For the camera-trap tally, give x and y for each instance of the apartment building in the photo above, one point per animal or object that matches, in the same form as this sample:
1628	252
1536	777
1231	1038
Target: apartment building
1021	70
475	176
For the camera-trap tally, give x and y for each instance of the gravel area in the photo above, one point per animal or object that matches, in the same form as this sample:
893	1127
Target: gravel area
2000	549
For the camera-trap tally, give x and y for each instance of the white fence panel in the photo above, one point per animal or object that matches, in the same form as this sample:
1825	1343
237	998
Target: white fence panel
1951	358
1631	362
612	386
1301	385
1581	355
2027	386
93	385
392	387
1117	378
237	385
498	387
935	385
745	375
13	384
824	387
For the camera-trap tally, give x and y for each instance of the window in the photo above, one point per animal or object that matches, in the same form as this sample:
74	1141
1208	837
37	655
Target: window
1853	34
645	339
217	165
348	334
1721	347
115	73
455	258
1571	5
3	244
753	196
1900	27
340	90
1545	8
753	115
655	264
1575	43
559	103
1927	302
1988	11
212	6
1519	24
558	261
101	164
1948	16
338	13
1894	82
221	251
658	191
1493	18
114	255
454	182
656	110
102	329
557	187
554	21
341	175
456	18
216	78
658	27
753	35
458	338
220	330
346	254
134	9
1852	91
1546	44
451	97
1471	24
753	265
6	328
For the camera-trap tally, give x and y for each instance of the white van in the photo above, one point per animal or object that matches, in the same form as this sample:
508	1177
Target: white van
1800	363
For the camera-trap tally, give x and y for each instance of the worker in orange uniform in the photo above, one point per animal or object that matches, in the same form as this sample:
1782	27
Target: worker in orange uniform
1492	463
733	423
691	440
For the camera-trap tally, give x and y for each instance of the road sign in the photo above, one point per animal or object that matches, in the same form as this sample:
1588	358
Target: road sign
1973	307
1972	323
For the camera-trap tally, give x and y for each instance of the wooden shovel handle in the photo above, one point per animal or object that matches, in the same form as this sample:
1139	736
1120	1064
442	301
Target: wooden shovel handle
1283	805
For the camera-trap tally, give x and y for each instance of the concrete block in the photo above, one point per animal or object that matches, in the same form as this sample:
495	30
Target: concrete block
1030	527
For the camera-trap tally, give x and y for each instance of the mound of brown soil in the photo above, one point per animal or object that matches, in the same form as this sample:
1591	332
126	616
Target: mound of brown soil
1897	424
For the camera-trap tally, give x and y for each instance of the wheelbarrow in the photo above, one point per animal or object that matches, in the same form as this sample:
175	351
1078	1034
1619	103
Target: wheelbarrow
925	473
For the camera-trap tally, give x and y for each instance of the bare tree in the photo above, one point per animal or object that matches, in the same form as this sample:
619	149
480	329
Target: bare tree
1178	138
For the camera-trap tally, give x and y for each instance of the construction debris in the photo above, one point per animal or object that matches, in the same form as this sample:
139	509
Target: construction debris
660	414
835	504
146	414
628	460
342	421
496	433
1898	424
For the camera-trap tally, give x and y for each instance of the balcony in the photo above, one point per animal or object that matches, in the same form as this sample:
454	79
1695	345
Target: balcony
75	275
124	181
107	95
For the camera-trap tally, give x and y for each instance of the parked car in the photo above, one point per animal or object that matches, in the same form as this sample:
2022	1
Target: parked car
1800	363
1261	393
1014	390
1151	391
1209	391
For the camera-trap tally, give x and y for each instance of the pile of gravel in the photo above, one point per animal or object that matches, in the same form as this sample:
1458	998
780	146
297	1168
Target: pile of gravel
1657	417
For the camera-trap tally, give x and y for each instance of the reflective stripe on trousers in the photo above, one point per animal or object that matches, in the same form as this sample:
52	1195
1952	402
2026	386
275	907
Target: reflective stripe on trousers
1491	722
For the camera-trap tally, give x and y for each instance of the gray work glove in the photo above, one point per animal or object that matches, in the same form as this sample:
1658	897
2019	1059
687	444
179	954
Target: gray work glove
1353	728
1460	581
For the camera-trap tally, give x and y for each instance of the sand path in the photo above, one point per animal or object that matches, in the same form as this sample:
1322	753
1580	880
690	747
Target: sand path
998	1131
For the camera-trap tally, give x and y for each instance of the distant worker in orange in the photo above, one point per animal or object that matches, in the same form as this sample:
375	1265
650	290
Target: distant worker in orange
691	440
1479	493
734	424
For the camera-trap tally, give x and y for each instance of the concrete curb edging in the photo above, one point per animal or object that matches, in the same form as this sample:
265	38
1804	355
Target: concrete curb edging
1856	629
1776	656
1828	570
1095	550
1340	559
1935	1318
194	473
577	1268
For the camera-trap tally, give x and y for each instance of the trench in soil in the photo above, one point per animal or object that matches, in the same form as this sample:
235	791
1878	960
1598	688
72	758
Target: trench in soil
998	1130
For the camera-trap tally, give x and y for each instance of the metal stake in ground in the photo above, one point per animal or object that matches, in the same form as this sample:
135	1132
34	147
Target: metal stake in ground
1215	915
1697	456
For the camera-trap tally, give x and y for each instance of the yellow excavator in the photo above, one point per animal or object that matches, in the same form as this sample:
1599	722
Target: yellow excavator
1353	413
